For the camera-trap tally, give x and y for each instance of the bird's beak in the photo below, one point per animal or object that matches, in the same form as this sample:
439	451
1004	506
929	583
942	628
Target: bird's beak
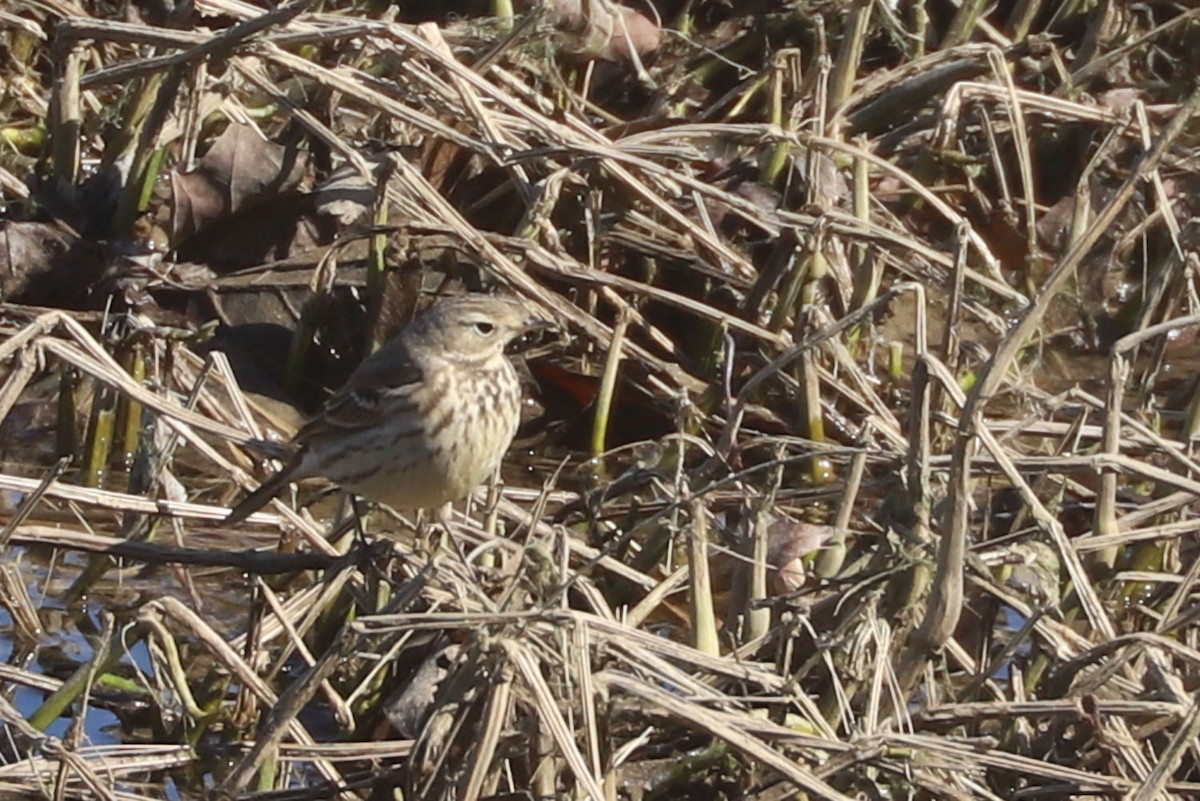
530	337
535	324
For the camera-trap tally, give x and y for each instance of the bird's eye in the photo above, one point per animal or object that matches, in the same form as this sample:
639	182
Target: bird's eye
484	328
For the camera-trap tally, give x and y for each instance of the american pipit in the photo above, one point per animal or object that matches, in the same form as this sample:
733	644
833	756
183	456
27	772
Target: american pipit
425	419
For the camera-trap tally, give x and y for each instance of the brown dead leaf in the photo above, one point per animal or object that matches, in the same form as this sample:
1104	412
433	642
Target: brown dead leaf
243	205
604	30
408	708
286	228
239	171
46	264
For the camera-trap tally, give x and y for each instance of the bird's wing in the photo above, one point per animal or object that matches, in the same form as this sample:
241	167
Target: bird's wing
378	389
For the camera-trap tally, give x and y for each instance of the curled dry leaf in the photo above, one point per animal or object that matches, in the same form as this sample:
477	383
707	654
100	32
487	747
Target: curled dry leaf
788	542
1034	569
832	188
347	195
602	29
1121	100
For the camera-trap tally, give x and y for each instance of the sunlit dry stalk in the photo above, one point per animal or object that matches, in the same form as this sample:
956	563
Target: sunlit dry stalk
169	609
994	372
704	621
66	116
14	597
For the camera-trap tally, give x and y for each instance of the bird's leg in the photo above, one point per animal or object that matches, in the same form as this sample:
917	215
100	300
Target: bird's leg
445	536
360	508
434	535
347	530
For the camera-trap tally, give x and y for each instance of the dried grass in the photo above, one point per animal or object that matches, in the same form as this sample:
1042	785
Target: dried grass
876	332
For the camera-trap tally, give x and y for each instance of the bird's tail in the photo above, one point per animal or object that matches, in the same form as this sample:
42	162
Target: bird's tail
262	496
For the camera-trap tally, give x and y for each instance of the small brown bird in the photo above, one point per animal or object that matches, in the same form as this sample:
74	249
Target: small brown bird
422	421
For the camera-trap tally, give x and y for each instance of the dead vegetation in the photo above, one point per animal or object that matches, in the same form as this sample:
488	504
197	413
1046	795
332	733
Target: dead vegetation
863	466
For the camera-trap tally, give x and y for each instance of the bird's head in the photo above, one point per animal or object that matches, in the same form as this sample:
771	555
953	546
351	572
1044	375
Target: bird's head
476	327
